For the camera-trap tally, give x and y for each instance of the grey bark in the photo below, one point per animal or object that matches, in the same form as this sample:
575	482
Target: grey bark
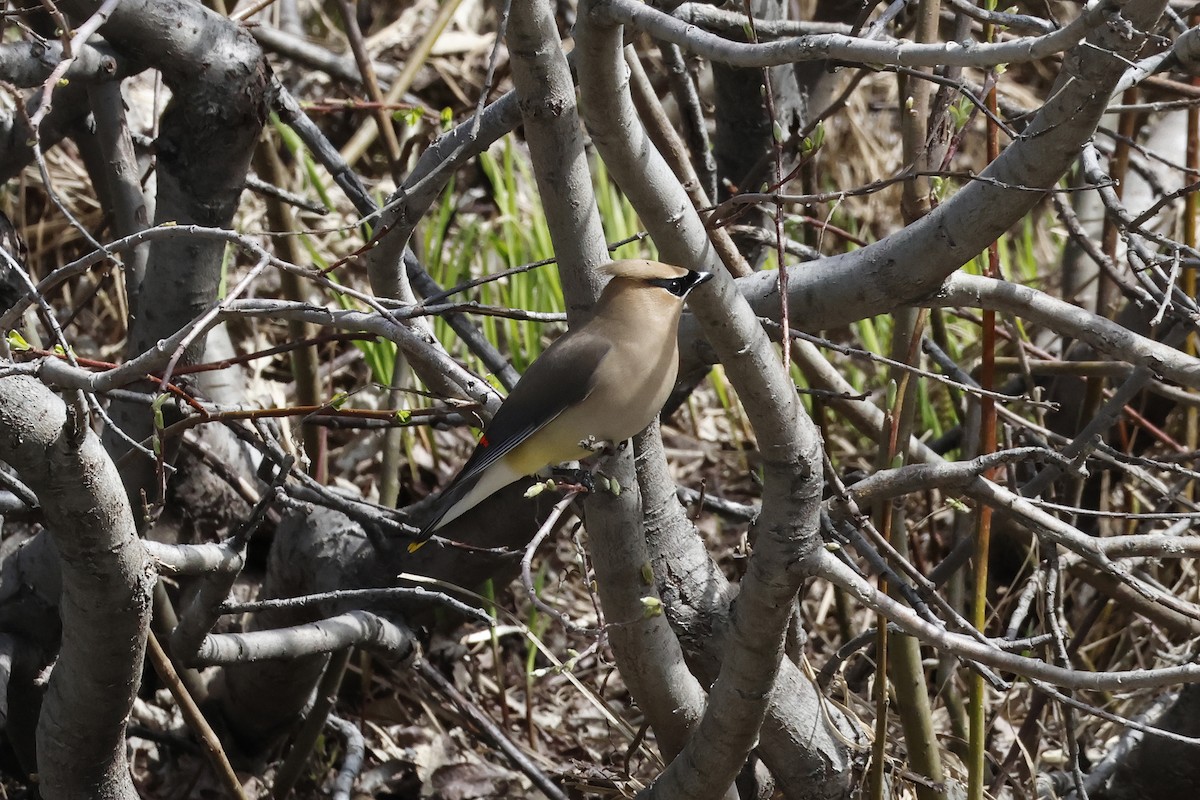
803	738
546	95
106	587
1155	768
25	64
322	550
311	553
645	648
30	588
28	64
786	529
745	139
913	262
648	654
218	78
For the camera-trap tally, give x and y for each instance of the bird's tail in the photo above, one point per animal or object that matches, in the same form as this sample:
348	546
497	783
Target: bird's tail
463	494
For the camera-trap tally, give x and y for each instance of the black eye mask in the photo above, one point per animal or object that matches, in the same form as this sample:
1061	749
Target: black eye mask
683	284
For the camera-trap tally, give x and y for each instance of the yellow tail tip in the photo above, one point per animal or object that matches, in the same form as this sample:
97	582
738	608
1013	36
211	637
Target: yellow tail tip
415	546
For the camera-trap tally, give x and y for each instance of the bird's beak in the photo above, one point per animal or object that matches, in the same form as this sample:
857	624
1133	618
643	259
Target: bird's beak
695	278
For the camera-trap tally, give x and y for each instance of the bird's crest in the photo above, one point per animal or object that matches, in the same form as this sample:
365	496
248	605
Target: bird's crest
639	269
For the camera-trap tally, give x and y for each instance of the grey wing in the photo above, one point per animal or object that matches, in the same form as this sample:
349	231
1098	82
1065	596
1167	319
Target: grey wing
561	377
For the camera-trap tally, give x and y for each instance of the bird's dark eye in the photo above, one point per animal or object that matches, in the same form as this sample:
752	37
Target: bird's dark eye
683	284
676	286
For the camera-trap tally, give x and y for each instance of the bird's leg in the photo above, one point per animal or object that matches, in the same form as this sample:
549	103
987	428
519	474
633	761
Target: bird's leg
602	452
585	477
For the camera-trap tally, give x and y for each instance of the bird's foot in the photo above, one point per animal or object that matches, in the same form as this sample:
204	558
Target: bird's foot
579	479
585	481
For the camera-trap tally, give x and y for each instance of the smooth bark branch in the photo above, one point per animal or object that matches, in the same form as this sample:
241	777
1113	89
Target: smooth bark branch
647	652
318	552
943	475
81	31
1094	432
912	263
1150	545
67	117
218	78
965	476
470	333
27	64
412	342
970	648
870	419
722	20
122	181
754	110
1115	580
546	95
787	528
1104	335
194	559
352	629
304	51
437	164
105	606
355	749
9	647
389	254
837	46
644	643
805	742
289	111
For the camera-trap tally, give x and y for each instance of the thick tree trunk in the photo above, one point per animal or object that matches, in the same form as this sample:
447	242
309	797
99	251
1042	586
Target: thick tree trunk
106	585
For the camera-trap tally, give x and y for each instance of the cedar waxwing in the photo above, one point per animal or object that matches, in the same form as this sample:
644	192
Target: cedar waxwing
603	382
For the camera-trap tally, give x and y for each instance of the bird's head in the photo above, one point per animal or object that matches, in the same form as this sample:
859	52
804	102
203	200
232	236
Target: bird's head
637	274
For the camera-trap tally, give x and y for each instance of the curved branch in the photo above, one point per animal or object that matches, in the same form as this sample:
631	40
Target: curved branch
27	64
818	47
972	649
1104	335
645	647
352	629
106	585
912	263
786	530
